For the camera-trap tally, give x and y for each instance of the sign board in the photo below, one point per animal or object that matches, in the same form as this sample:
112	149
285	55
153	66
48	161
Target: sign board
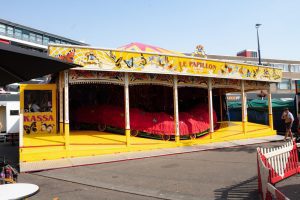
144	62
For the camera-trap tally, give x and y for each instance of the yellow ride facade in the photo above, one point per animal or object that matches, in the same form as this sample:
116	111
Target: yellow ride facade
45	133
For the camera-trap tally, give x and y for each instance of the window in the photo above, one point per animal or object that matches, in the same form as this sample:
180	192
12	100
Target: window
2	29
25	35
14	112
57	41
18	33
52	40
253	54
295	68
32	37
45	40
293	82
39	39
38	101
284	84
10	31
284	67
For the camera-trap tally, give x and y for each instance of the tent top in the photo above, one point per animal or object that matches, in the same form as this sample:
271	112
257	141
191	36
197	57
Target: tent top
116	60
140	47
19	64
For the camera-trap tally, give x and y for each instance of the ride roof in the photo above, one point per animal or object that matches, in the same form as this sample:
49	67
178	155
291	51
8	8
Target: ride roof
141	58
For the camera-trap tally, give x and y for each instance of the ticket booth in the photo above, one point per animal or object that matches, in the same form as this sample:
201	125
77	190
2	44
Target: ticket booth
37	111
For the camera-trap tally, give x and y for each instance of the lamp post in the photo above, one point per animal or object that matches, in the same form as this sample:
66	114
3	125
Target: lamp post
259	58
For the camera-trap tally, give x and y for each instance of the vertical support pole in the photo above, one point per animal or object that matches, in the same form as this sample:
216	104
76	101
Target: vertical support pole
244	107
210	109
127	116
21	129
66	99
61	97
176	114
270	107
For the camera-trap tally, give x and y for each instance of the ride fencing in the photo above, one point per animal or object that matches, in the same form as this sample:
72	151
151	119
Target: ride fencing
274	165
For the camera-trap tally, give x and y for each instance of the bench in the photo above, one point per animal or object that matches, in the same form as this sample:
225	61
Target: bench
274	165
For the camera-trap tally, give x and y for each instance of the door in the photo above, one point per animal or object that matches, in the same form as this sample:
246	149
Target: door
2	119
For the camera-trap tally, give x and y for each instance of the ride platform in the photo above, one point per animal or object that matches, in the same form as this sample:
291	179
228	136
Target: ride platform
92	143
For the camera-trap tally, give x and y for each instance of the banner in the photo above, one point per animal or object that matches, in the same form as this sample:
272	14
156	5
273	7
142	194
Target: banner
38	105
126	61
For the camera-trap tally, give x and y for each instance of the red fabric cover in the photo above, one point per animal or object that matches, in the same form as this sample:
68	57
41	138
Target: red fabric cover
194	121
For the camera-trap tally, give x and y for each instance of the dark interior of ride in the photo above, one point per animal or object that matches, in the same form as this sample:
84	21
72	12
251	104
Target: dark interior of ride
147	98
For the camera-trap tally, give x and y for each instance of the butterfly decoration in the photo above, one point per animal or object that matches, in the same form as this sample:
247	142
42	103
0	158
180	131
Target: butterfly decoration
248	73
255	72
30	128
266	74
115	60
163	60
118	62
241	71
47	127
69	57
129	62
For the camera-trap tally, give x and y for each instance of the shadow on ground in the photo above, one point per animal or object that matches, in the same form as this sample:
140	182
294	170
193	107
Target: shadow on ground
10	153
243	190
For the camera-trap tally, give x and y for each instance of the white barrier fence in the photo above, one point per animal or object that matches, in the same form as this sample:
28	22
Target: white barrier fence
274	165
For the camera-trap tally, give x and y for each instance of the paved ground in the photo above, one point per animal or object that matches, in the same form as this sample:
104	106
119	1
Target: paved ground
290	187
228	173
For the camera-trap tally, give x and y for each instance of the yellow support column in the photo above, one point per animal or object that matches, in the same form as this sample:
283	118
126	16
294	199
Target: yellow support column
210	109
270	108
244	107
66	114
176	113
61	101
127	115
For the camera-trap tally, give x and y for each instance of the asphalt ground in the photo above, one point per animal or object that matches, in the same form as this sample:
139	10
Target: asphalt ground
228	173
290	187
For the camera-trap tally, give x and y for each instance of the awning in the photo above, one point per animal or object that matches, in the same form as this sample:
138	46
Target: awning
19	64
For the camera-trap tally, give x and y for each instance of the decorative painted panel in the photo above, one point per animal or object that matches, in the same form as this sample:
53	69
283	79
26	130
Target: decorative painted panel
142	62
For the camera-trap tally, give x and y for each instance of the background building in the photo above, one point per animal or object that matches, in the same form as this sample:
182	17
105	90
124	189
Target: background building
291	71
247	53
30	38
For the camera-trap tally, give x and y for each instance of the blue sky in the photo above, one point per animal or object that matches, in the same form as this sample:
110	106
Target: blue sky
223	27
